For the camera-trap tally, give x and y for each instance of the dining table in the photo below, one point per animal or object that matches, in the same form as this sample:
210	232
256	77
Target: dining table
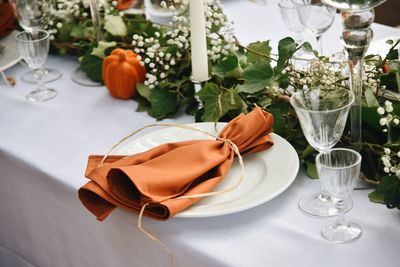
44	149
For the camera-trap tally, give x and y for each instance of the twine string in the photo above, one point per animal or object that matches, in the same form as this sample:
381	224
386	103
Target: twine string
231	144
161	244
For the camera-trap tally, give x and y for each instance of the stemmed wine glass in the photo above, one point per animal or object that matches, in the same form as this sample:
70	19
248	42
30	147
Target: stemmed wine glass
78	76
32	16
339	170
34	48
288	10
316	17
322	114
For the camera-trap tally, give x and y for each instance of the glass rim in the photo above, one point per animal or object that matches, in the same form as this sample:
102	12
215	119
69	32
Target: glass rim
292	5
47	34
358	160
293	103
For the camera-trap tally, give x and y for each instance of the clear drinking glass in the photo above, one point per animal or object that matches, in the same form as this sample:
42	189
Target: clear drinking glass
288	10
78	76
32	16
34	48
339	170
322	115
316	17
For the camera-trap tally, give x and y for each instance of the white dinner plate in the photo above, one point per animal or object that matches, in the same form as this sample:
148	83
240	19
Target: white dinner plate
267	173
10	55
380	47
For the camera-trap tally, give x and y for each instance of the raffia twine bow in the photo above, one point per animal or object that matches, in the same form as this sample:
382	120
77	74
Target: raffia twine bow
231	144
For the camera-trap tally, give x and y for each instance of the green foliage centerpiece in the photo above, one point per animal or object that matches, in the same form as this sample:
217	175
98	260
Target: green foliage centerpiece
241	78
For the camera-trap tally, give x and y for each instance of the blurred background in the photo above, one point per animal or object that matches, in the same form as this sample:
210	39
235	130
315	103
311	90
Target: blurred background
388	13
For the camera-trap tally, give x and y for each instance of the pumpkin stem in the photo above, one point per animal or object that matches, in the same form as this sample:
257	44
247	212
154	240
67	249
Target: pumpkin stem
122	56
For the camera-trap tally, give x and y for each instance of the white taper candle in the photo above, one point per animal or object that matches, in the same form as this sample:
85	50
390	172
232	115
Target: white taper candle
198	41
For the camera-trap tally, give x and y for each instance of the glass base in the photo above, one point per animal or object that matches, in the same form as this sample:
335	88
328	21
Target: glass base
50	76
41	95
79	77
341	233
317	206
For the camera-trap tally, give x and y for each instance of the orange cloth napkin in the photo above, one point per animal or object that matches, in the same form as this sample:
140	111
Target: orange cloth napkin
163	173
7	24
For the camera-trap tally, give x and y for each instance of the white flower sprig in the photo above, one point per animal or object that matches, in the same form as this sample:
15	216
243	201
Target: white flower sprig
67	11
390	158
387	117
391	162
159	60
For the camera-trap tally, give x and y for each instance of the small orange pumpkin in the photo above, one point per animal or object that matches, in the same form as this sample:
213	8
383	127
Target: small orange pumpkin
124	4
122	70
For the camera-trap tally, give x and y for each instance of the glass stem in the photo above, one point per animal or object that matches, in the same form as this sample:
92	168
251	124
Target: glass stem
95	14
356	37
356	73
298	38
319	42
38	74
340	217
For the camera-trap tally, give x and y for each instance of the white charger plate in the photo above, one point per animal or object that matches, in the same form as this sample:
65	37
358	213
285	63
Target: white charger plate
10	55
268	173
380	47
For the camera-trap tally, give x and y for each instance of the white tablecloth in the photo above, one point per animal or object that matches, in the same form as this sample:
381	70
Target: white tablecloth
43	152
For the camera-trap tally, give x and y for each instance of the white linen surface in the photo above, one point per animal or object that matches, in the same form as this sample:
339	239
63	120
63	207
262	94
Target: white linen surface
43	153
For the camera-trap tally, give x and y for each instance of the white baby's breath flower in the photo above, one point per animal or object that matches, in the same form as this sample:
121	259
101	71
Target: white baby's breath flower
389	108
387	150
386	169
381	111
383	121
388	103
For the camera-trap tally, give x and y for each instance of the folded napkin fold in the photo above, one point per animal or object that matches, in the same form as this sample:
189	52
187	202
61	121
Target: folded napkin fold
162	174
7	23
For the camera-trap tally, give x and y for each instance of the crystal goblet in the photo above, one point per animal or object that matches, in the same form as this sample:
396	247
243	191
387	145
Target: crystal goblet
322	115
339	170
33	15
34	48
316	17
289	14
